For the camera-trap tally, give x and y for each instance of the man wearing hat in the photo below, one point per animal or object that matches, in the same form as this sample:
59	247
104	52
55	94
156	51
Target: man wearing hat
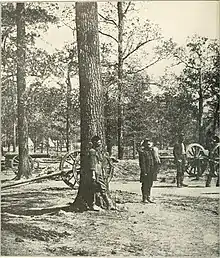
146	163
179	152
213	165
99	186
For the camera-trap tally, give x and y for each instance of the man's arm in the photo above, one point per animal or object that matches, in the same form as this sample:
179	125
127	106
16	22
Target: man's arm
156	155
92	163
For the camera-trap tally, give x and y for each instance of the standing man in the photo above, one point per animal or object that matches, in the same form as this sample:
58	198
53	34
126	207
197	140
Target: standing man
179	152
213	165
146	163
96	173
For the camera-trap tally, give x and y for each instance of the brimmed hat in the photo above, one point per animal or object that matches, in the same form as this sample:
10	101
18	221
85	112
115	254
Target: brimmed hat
95	138
144	141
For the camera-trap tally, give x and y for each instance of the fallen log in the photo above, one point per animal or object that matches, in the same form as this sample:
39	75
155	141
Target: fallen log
31	180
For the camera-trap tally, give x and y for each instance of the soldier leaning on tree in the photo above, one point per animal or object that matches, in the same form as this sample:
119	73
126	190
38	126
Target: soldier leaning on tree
179	152
98	185
147	163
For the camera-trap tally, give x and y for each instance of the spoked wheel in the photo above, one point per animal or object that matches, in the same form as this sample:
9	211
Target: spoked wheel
215	156
15	163
196	160
70	168
107	168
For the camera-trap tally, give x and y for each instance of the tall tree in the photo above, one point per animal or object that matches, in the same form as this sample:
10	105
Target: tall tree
120	77
91	91
130	36
199	60
24	166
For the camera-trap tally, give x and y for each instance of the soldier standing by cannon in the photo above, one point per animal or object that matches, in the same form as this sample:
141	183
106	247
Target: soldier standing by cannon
179	152
212	162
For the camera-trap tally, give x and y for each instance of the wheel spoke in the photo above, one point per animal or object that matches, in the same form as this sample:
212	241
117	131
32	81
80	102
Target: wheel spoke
67	161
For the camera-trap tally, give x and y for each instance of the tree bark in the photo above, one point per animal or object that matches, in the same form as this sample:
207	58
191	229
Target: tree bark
134	146
120	78
24	166
68	103
200	115
216	123
91	91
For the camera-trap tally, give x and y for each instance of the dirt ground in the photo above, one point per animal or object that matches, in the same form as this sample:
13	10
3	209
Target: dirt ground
182	222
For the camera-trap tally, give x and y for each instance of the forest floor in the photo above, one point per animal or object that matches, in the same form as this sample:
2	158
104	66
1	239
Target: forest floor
181	222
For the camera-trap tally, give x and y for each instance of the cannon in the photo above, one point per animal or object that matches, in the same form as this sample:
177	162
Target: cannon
69	169
198	159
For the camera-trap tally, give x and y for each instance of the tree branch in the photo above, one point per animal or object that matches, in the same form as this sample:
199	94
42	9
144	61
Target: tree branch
187	65
138	46
108	35
145	67
108	20
129	3
156	83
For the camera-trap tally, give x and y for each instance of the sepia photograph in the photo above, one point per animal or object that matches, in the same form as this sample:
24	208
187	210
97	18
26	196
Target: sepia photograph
110	133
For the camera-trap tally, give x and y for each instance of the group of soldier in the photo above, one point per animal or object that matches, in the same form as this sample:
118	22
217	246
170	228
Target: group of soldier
149	162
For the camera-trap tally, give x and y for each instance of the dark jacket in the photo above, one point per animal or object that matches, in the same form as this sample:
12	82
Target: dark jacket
146	162
179	152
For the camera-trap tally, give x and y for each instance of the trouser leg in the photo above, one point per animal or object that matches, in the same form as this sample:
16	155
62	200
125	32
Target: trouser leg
107	201
150	184
144	190
217	183
209	177
208	180
178	175
155	172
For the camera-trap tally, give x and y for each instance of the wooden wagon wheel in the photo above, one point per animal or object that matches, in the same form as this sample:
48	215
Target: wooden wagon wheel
15	163
196	160
70	168
215	156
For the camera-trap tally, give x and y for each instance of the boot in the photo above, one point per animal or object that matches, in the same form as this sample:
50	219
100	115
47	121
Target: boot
93	206
108	202
144	197
217	182
148	195
181	182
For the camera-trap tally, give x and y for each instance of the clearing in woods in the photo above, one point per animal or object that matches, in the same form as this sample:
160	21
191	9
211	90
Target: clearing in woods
182	222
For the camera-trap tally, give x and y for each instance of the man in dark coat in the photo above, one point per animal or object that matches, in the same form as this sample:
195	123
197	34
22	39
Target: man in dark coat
146	163
179	152
213	165
95	168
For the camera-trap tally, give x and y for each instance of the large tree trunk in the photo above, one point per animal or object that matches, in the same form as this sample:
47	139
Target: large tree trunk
200	115
68	103
91	91
24	166
120	78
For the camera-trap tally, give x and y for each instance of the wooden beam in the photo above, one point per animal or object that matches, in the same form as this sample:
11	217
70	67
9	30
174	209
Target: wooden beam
31	180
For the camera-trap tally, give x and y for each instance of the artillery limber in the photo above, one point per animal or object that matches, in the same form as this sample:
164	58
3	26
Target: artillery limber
12	160
68	170
198	159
